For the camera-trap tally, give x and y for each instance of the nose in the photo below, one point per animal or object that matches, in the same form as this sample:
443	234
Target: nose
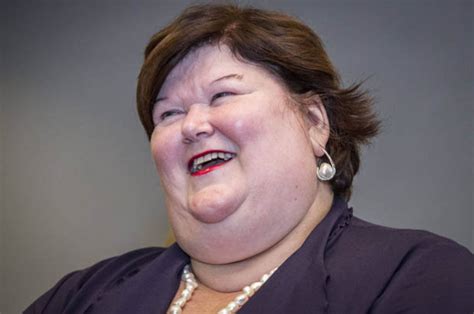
196	124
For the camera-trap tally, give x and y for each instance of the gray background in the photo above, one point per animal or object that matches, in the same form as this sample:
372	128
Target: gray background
77	183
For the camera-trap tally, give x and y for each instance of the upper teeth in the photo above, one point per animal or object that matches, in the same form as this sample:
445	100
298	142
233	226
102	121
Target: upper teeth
199	161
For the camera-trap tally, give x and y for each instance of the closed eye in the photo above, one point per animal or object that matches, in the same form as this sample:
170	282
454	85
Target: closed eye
169	113
220	95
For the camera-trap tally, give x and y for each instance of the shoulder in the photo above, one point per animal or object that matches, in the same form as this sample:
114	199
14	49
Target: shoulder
368	236
369	244
405	245
93	280
406	270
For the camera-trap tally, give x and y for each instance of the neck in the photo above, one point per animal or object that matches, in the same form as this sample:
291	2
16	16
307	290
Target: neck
233	277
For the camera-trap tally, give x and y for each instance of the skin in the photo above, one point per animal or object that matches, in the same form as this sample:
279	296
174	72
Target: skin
249	215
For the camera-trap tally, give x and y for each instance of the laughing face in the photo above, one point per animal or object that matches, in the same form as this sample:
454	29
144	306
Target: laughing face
235	159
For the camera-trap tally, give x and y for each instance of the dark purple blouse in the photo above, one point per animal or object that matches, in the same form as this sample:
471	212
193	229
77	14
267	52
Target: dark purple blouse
346	265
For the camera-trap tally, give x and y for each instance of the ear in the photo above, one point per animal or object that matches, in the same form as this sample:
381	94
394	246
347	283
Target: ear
318	125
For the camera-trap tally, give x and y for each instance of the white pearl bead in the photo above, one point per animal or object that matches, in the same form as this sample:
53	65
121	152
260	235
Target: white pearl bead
181	302
248	291
191	285
232	307
256	285
186	294
326	171
174	309
189	280
187	276
241	299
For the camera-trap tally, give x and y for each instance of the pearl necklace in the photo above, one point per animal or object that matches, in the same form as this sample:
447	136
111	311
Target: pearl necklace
191	284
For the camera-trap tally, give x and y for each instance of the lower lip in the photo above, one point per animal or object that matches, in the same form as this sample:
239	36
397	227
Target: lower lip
209	169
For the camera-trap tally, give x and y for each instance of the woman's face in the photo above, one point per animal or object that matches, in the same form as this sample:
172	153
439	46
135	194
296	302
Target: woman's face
234	158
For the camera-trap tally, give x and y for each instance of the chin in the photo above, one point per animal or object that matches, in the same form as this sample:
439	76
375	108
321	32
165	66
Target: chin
224	250
218	252
219	259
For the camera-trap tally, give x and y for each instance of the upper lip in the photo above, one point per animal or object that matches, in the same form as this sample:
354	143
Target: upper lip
190	162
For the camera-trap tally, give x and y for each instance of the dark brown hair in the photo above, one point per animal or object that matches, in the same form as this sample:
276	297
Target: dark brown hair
282	45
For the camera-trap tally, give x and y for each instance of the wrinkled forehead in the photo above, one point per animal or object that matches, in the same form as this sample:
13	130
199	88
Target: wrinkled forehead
203	63
206	63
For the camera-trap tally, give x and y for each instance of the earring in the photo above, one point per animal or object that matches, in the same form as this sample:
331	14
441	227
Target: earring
325	171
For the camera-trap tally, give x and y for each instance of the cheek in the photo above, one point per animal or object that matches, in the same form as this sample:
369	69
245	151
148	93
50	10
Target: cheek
241	124
164	146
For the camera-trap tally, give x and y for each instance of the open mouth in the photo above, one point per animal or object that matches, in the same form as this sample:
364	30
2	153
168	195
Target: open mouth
208	161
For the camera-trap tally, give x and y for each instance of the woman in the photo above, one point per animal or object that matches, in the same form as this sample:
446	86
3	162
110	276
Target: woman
256	144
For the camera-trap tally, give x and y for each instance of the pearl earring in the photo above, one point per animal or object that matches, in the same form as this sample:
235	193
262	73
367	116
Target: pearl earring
325	171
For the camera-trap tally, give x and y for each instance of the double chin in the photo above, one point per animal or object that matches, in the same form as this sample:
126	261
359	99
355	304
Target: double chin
214	204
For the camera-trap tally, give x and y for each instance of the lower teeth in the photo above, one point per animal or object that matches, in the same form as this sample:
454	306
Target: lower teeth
207	165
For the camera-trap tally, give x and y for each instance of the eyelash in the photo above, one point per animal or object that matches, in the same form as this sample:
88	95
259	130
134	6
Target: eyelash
169	113
221	94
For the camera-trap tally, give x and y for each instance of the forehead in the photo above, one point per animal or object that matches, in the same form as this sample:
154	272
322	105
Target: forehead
208	63
203	58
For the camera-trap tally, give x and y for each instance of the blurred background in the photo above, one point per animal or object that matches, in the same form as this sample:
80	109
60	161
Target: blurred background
77	183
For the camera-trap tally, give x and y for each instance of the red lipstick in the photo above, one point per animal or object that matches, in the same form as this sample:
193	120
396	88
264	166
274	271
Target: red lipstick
211	160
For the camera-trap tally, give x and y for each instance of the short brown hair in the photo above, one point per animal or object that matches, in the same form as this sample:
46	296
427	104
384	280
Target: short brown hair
282	45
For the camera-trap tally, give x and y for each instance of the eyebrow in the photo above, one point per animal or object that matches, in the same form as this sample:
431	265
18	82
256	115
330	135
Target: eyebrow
159	99
226	77
230	76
